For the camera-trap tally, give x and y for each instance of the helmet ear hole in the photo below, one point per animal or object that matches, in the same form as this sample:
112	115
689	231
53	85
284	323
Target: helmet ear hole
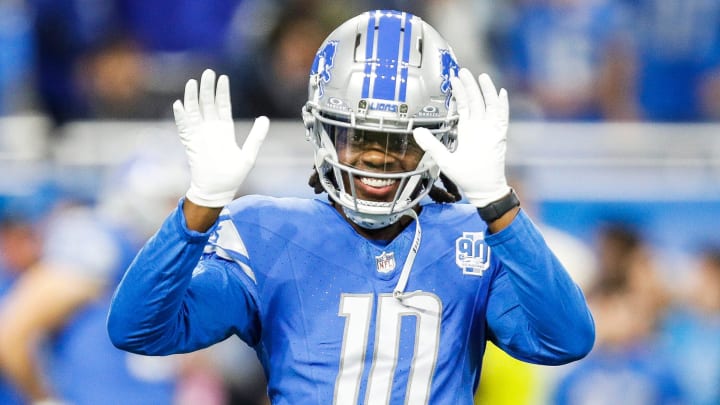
358	38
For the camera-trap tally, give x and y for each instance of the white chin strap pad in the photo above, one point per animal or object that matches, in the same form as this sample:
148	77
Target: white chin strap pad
369	221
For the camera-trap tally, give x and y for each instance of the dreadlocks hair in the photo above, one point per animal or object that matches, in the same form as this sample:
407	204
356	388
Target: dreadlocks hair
449	194
314	182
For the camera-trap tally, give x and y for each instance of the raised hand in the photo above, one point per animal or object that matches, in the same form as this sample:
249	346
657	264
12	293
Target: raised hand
477	165
218	166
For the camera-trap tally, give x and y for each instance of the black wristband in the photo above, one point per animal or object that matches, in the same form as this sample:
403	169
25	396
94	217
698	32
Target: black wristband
496	209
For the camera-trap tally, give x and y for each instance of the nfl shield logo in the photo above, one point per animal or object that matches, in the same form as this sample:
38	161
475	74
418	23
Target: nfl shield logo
385	262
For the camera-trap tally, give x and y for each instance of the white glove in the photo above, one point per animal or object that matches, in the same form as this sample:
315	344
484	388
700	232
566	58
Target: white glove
217	165
477	166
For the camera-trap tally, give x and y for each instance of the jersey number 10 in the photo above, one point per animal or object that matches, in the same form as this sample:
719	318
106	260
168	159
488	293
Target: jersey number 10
357	309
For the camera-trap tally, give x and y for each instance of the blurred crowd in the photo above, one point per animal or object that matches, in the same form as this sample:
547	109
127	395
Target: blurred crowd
561	60
658	341
61	257
657	323
128	59
578	60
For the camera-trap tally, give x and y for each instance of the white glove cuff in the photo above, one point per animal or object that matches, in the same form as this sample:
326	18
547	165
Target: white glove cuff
482	200
215	200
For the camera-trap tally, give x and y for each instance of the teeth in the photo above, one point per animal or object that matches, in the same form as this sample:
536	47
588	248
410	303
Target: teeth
377	182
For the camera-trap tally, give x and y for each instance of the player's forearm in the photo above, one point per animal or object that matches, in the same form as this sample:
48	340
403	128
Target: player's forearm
150	296
17	363
551	304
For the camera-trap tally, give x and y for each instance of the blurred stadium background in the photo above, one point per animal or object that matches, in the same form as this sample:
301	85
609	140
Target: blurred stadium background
614	138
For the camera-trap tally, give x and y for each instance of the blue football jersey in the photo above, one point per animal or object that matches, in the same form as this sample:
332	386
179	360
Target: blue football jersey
315	300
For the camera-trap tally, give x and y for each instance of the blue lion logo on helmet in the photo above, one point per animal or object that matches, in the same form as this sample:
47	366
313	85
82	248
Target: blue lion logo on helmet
449	69
324	60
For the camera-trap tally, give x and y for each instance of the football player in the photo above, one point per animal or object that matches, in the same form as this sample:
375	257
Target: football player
53	342
374	295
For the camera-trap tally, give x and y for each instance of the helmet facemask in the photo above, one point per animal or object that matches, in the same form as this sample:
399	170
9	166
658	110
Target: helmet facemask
365	153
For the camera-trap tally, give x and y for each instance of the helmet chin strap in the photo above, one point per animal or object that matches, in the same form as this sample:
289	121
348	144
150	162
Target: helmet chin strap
369	221
399	291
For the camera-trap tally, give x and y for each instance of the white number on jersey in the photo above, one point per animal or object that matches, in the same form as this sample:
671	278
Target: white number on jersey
356	308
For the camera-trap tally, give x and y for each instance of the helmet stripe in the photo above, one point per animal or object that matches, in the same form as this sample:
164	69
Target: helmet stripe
387	53
403	64
388	56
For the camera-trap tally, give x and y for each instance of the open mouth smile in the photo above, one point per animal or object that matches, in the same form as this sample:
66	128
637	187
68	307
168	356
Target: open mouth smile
377	189
377	183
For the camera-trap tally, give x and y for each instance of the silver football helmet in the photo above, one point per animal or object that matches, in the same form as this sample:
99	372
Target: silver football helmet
374	79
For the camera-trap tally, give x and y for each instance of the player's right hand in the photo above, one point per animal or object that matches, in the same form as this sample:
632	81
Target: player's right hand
477	166
218	166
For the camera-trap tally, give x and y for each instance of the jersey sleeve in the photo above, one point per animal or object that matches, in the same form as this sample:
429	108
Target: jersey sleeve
536	312
176	297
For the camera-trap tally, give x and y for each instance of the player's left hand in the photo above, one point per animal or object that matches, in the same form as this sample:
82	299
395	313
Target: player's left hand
477	165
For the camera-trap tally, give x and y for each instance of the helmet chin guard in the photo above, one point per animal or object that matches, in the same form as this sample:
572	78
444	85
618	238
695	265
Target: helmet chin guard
369	221
383	73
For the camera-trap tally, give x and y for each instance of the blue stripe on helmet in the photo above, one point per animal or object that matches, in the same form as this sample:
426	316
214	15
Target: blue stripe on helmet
388	57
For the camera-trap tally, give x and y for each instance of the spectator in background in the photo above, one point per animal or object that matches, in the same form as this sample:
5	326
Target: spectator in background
53	341
691	331
281	38
123	58
565	59
626	260
66	32
677	59
21	216
274	81
179	38
22	213
628	364
19	249
116	58
107	91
